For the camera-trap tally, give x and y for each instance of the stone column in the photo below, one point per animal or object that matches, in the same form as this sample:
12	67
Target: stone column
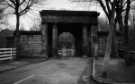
44	39
54	39
85	39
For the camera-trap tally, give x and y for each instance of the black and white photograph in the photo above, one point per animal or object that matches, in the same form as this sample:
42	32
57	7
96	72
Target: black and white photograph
67	41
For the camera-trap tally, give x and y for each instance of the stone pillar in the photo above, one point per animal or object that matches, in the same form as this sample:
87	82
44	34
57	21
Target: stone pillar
44	39
85	40
54	39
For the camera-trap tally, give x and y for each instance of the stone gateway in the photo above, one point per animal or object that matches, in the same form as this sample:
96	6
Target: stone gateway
77	26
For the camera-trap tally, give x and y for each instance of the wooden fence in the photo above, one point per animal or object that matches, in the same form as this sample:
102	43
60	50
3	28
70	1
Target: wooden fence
7	53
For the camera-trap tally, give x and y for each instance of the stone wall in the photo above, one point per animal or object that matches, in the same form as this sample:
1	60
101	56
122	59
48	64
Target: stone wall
31	45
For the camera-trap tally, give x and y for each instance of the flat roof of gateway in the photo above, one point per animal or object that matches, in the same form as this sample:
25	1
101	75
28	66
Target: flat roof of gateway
69	13
23	32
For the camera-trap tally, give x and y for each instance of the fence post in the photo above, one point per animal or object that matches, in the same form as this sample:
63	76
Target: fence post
11	52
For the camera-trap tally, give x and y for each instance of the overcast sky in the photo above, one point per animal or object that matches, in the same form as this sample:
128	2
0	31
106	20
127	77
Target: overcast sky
32	18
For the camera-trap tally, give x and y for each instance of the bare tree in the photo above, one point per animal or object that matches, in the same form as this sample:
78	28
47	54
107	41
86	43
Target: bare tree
114	10
20	7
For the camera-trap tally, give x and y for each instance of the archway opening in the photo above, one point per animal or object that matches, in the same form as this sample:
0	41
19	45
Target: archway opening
76	30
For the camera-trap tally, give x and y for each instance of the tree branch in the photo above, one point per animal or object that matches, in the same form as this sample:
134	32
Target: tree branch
22	2
13	1
13	6
107	6
103	7
26	9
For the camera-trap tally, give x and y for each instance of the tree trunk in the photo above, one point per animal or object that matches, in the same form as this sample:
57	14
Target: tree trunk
108	46
114	52
17	36
126	28
110	41
119	17
126	34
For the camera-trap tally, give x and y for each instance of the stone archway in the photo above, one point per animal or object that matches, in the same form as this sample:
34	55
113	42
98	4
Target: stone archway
85	20
66	44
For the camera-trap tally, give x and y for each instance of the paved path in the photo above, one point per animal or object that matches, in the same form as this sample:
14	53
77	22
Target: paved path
55	71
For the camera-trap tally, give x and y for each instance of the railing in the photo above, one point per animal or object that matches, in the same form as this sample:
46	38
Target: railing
7	53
